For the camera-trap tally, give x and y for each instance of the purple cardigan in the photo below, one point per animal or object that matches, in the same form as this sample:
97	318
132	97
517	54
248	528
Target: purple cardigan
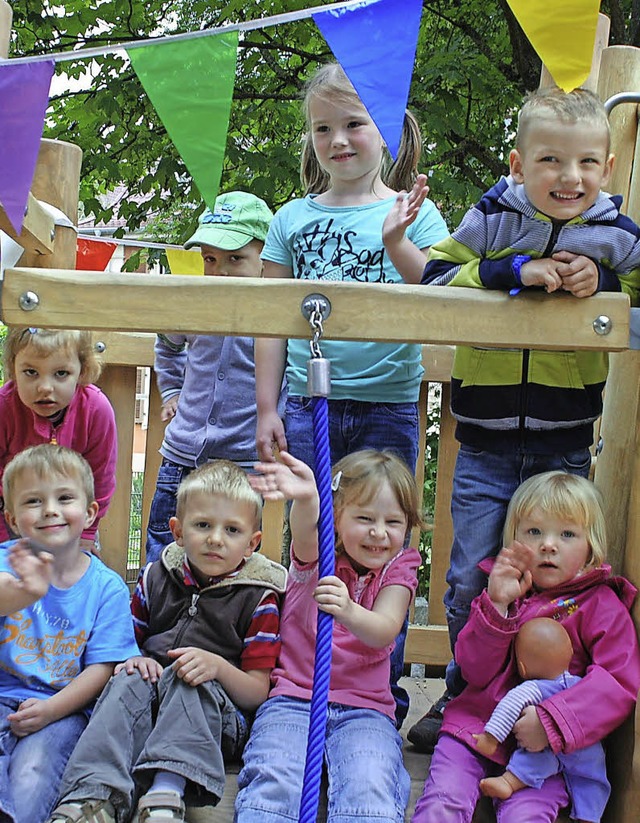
594	609
89	427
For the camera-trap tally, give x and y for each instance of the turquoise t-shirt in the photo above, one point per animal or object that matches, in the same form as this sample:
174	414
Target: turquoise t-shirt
333	243
44	646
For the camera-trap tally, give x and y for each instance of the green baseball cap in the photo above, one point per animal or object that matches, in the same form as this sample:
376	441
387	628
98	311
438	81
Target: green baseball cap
237	218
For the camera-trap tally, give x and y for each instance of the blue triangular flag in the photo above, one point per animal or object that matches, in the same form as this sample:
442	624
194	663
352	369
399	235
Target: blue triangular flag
375	43
24	91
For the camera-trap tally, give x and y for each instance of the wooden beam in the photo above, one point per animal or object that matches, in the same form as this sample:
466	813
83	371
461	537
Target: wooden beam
271	308
428	645
37	232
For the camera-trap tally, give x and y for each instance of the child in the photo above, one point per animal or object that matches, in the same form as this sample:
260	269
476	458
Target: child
543	652
335	234
207	620
65	622
547	225
552	566
375	506
49	398
211	377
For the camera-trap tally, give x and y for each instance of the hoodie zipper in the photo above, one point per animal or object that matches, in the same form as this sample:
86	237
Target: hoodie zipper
191	612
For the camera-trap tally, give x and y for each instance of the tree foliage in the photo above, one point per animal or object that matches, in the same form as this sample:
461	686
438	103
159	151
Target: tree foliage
472	68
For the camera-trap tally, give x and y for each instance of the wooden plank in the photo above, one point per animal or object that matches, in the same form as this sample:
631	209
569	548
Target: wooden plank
37	230
152	458
126	348
271	308
428	645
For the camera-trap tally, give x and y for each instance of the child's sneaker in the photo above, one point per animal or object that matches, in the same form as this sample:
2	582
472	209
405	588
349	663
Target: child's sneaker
424	733
84	811
160	807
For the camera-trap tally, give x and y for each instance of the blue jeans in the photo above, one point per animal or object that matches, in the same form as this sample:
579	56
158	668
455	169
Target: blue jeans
31	767
483	484
163	507
356	425
363	756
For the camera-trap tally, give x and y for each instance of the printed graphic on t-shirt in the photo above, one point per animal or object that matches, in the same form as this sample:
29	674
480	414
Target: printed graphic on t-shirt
324	252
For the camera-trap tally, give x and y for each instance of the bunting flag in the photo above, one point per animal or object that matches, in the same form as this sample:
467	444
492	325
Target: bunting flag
375	43
93	255
190	84
24	92
563	35
182	261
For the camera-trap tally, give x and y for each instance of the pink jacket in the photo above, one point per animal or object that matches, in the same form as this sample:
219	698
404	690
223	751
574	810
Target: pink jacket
89	427
594	609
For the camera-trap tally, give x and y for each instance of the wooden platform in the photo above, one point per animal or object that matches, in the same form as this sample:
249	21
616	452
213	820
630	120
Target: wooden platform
422	692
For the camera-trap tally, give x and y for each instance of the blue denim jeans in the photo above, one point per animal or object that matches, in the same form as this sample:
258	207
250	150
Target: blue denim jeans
483	484
163	507
363	756
31	767
355	425
452	790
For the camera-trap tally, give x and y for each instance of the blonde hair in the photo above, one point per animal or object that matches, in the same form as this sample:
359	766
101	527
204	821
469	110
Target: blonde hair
358	477
568	107
44	342
563	495
331	84
46	461
220	477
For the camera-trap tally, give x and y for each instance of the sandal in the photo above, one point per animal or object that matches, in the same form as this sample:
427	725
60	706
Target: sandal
169	802
85	811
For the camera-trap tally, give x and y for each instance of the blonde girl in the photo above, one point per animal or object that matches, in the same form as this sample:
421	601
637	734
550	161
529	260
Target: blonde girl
334	233
49	398
553	566
375	506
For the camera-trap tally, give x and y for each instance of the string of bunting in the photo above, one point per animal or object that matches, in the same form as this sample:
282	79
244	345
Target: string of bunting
189	78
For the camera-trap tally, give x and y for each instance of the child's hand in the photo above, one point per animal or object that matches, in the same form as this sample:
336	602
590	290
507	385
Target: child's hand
530	732
34	571
148	668
541	272
332	596
404	211
510	577
196	666
579	273
289	479
32	715
169	408
486	743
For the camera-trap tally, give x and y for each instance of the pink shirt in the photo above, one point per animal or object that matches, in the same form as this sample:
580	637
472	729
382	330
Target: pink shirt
359	673
89	427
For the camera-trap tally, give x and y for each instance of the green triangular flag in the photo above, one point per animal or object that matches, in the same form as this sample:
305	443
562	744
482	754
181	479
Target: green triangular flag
190	83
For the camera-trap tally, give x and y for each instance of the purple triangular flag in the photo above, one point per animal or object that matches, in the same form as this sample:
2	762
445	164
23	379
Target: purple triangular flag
24	92
375	43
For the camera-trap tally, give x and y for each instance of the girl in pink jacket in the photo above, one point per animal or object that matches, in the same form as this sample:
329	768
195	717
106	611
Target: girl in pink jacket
49	399
552	566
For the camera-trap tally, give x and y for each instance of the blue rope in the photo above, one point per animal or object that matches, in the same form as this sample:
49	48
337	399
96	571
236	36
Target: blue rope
322	666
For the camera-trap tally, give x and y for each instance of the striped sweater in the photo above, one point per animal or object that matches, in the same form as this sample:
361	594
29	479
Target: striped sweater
535	400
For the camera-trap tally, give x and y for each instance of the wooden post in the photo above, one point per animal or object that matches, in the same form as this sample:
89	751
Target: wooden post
6	17
56	181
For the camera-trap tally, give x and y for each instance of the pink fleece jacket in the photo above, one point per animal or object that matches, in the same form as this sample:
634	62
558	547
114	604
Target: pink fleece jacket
89	427
594	609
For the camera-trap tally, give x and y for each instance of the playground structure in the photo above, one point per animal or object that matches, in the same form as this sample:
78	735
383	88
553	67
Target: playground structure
44	290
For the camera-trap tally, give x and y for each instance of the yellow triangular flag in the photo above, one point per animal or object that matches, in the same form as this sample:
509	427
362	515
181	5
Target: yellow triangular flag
563	34
182	261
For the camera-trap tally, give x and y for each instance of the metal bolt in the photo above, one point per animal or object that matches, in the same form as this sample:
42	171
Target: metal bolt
28	301
100	346
602	324
53	234
315	302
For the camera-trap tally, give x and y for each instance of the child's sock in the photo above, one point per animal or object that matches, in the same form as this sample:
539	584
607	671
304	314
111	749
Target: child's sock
168	782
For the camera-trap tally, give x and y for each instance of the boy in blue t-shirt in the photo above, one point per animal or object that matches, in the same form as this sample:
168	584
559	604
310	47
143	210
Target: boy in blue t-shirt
64	623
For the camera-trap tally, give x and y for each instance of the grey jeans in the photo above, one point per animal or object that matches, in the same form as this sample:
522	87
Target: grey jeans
138	728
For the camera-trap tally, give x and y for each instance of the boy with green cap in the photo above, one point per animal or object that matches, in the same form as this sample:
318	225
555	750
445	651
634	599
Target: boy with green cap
207	383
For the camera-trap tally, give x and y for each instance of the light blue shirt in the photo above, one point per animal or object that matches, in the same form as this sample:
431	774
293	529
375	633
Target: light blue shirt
333	243
44	646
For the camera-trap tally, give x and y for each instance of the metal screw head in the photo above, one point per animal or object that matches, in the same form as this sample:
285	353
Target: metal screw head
99	346
602	324
313	302
28	301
